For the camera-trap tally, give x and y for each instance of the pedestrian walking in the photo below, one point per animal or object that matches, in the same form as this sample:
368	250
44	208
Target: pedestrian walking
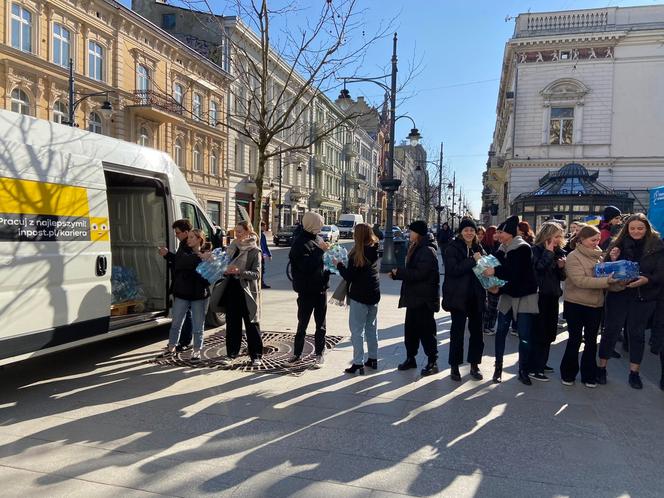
181	229
378	232
420	296
444	235
518	297
464	298
191	293
549	260
238	295
363	281
310	281
265	254
633	304
583	299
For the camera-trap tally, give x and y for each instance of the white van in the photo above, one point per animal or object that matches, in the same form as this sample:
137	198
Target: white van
76	206
347	224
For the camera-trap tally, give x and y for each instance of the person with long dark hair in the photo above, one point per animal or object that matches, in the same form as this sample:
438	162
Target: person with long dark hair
464	297
525	232
549	261
490	246
583	299
363	281
518	297
633	304
420	296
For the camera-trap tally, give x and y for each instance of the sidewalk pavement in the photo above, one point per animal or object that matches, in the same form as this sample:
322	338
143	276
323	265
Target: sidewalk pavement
100	421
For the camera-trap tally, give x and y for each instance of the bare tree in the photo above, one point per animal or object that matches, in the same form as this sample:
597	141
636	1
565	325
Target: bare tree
277	84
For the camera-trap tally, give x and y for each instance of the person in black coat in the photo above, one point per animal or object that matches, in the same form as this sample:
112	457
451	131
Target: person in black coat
635	303
464	297
310	281
181	229
549	262
444	236
420	297
363	281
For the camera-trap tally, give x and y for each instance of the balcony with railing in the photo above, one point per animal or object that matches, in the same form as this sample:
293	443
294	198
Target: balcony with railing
155	105
537	24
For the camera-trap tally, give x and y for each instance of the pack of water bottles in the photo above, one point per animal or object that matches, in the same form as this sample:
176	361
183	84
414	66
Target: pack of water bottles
620	270
125	285
213	269
336	252
483	263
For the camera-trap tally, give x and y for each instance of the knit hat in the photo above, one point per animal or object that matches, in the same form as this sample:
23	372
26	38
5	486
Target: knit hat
467	222
609	213
312	222
419	227
509	225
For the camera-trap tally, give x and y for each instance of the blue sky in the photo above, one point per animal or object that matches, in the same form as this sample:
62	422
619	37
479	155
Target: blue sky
460	45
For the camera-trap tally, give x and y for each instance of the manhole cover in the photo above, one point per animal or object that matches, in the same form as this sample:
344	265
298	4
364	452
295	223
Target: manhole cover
277	350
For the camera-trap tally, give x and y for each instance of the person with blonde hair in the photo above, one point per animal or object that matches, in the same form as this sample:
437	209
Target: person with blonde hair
549	262
238	294
363	281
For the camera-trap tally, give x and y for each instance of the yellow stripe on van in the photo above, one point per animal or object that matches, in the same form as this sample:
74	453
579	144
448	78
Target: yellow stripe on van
30	197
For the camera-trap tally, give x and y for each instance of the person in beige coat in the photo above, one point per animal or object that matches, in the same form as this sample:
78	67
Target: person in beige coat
583	303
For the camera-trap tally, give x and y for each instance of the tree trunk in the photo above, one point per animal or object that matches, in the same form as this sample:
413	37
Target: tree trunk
258	205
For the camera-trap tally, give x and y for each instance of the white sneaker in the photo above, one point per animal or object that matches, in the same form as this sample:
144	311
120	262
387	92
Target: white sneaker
591	385
256	362
226	361
567	382
319	362
195	355
167	352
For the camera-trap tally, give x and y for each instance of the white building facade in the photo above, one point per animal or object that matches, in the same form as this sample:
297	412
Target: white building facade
580	87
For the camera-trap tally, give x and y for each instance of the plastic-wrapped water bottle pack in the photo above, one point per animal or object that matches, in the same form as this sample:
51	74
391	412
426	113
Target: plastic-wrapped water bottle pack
125	285
336	252
213	270
620	270
483	263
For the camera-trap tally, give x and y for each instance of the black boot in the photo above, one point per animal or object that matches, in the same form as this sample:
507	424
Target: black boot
498	373
408	364
601	375
430	368
635	380
524	378
455	375
355	368
371	363
475	372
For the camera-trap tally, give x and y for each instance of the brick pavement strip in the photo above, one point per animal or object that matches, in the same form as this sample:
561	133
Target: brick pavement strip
101	420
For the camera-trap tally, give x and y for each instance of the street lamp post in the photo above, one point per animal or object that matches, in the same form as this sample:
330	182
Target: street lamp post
106	107
453	187
389	184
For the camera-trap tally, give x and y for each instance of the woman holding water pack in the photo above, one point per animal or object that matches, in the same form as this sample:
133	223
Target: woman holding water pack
632	305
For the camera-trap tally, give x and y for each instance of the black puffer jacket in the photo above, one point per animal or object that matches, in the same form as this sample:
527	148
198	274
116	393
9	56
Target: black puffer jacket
460	285
363	281
187	282
547	272
421	278
651	264
306	260
516	266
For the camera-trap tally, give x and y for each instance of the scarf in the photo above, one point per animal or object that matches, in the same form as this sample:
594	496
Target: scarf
238	249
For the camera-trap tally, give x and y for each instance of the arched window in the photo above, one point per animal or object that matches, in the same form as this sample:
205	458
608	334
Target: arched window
213	113
60	112
197	109
142	78
94	123
20	101
197	159
177	153
21	28
144	137
214	166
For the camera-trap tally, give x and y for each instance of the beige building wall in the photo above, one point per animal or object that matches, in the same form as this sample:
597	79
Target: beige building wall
140	66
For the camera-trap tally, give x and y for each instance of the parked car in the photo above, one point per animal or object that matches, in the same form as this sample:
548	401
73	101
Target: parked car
329	233
397	234
285	235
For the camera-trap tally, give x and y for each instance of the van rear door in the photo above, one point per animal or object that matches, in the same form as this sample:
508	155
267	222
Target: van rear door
55	256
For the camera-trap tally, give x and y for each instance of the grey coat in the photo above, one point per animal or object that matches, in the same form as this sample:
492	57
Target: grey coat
249	281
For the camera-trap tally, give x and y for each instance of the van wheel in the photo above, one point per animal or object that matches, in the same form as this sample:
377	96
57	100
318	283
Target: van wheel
213	320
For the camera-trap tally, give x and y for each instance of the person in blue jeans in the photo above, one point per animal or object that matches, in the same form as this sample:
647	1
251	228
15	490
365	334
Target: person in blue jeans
265	254
518	297
191	292
364	294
